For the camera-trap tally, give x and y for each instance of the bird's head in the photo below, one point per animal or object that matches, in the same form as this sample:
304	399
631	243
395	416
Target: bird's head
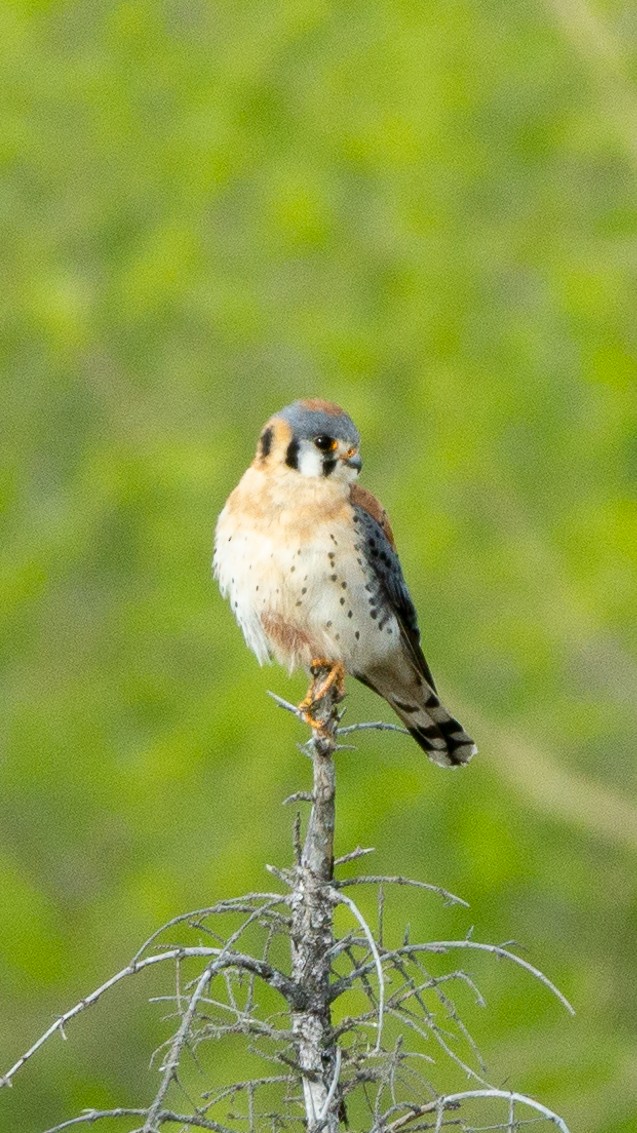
313	438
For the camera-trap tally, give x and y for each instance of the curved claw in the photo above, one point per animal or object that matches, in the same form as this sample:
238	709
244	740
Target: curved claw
334	676
334	679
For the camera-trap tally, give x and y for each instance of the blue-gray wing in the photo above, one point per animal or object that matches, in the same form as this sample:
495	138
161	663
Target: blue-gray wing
415	698
387	581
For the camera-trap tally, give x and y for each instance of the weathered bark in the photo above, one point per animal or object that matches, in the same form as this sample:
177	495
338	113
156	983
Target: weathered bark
312	931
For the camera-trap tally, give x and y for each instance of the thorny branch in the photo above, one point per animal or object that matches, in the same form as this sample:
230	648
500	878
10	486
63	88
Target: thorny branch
371	1060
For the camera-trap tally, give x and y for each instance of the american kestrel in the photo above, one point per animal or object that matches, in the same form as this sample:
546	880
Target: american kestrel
308	561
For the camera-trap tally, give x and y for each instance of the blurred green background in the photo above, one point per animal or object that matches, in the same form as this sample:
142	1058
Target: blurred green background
427	212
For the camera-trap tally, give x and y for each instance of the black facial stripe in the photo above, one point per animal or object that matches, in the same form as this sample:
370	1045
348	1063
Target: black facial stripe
266	442
329	466
292	454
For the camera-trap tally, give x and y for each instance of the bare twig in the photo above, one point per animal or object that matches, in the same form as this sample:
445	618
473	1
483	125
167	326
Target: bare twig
333	1086
376	726
184	1030
352	856
285	704
495	950
237	1087
380	879
177	1046
164	1117
223	959
89	1000
452	1101
447	945
345	900
230	905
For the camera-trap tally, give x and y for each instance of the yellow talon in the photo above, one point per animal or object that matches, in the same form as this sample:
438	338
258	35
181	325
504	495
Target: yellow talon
335	676
318	690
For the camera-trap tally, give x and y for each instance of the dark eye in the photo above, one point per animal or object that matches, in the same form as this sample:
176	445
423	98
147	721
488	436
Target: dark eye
325	443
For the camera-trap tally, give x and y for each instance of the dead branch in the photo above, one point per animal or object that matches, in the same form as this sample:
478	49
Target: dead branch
312	932
164	1117
375	1053
381	879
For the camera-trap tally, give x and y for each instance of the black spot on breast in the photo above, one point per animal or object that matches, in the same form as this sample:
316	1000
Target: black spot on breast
372	613
333	577
292	454
343	585
266	443
304	590
357	635
350	614
342	601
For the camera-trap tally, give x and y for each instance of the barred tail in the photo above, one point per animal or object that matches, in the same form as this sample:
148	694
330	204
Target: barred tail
434	729
418	705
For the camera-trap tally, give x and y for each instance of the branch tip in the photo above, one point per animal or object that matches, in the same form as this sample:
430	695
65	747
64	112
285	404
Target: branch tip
298	797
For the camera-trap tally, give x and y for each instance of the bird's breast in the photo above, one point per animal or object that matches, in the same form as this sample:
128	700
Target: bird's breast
297	579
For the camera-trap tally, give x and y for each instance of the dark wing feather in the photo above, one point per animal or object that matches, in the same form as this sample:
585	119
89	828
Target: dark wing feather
437	732
377	544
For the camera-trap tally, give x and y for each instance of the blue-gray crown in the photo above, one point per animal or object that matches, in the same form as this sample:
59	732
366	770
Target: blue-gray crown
313	417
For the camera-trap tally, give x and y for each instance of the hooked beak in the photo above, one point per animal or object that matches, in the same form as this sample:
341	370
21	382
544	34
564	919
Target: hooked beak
353	460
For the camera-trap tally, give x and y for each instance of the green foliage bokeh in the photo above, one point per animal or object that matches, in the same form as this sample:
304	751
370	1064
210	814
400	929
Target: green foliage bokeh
426	212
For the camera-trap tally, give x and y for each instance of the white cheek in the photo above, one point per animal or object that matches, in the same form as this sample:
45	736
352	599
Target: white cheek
310	461
345	473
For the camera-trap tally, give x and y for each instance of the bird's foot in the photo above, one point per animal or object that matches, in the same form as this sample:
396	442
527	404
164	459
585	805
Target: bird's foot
335	676
326	676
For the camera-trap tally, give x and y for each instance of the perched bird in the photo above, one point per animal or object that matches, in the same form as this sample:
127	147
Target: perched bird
308	561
